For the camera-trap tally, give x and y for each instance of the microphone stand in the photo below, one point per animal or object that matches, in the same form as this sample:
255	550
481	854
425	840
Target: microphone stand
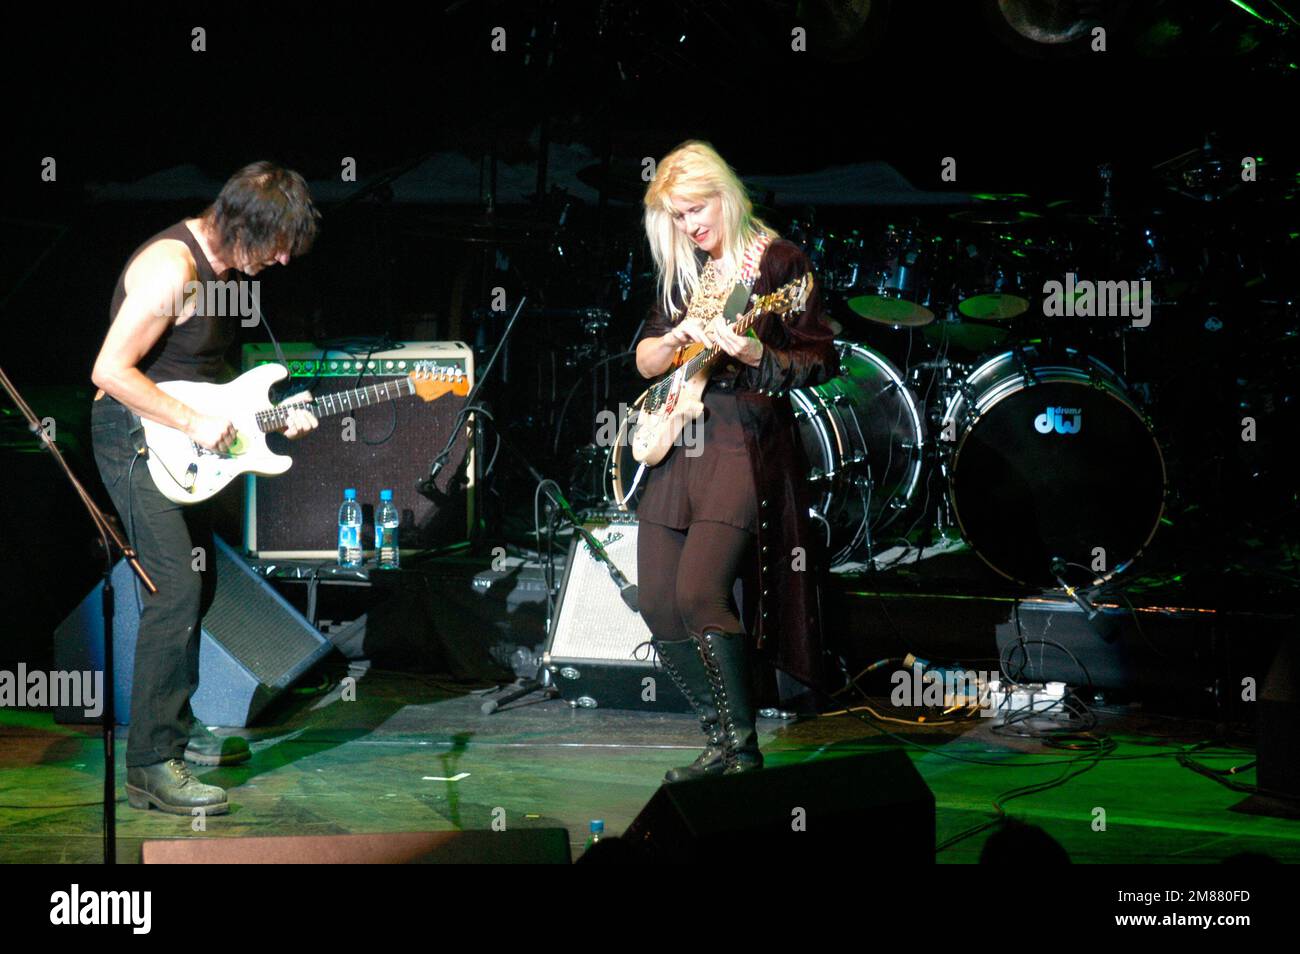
428	488
113	543
1074	593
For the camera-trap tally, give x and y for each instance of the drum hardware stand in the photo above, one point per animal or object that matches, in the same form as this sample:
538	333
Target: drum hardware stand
1106	173
866	485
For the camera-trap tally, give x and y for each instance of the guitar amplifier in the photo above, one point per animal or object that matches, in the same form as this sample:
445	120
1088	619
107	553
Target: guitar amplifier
591	648
388	446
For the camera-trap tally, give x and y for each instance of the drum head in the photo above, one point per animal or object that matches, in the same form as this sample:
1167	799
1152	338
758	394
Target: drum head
862	433
1059	469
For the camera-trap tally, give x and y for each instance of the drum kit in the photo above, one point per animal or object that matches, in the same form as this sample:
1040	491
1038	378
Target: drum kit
1044	455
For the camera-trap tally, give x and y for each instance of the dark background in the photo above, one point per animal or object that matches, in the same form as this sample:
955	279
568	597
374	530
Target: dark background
114	97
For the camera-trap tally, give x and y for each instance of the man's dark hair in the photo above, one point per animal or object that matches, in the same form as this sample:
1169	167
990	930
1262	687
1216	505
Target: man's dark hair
262	210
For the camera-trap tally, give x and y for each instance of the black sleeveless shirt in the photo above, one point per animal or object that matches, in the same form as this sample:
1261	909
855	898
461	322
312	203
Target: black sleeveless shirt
195	349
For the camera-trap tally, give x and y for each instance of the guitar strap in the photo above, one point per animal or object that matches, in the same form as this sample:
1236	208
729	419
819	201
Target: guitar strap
738	300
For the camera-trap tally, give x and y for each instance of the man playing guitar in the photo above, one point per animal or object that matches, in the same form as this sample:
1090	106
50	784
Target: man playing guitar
161	331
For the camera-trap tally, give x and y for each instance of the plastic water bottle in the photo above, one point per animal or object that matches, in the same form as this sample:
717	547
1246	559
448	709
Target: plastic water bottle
386	521
597	832
350	529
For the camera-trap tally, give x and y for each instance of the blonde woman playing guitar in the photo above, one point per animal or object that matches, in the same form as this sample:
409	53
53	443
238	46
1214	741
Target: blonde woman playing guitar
731	502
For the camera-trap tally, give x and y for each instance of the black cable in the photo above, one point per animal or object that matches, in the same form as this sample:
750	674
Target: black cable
1138	624
1219	775
130	523
352	347
496	449
1000	800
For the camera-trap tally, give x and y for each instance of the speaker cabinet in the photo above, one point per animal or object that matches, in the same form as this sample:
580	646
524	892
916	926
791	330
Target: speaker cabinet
254	644
388	446
590	649
860	809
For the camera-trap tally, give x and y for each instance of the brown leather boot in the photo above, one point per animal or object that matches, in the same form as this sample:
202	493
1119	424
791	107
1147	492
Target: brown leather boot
171	787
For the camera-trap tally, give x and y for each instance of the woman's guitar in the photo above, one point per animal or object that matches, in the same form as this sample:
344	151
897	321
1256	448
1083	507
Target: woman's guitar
663	410
186	473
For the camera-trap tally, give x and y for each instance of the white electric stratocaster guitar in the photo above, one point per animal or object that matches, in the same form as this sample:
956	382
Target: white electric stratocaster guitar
186	473
663	410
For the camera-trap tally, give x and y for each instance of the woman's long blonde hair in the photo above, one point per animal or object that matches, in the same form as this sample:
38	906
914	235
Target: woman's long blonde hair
696	172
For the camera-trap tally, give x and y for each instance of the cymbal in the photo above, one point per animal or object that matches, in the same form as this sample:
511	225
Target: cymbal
1000	197
894	312
994	306
995	216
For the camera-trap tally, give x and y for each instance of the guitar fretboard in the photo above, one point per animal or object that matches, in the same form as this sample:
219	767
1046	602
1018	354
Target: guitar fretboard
276	418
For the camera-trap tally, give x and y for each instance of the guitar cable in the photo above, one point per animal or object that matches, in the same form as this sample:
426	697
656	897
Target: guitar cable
140	451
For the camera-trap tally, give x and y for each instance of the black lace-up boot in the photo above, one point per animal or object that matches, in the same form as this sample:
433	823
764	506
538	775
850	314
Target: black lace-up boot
726	661
681	658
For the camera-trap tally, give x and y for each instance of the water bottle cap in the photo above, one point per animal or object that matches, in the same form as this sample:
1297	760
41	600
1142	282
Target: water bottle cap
385	495
597	824
350	494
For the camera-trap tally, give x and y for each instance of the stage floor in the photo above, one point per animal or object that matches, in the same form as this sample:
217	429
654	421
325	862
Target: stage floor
414	753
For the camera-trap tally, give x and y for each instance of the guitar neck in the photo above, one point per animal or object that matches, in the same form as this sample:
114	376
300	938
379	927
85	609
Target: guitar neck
276	418
703	359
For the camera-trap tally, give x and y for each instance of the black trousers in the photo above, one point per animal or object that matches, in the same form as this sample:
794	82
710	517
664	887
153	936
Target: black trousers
175	545
686	578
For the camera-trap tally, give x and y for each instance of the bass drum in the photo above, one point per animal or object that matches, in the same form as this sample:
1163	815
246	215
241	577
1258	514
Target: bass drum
1052	461
863	435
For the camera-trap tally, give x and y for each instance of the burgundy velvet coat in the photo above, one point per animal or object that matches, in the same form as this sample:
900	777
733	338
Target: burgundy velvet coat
798	352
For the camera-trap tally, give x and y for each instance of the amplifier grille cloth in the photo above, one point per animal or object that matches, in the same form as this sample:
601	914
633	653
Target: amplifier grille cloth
253	627
593	621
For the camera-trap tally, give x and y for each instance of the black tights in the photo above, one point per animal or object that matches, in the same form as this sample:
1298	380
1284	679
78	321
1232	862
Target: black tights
685	578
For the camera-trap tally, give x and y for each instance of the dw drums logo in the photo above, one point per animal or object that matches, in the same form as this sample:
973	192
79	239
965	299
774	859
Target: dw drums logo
1059	419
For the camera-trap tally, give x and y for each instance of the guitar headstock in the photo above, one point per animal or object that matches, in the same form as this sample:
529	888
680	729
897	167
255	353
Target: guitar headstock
432	382
789	299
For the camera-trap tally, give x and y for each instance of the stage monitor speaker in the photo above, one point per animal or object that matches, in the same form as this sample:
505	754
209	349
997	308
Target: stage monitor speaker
590	648
389	446
513	846
1050	638
254	644
860	809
